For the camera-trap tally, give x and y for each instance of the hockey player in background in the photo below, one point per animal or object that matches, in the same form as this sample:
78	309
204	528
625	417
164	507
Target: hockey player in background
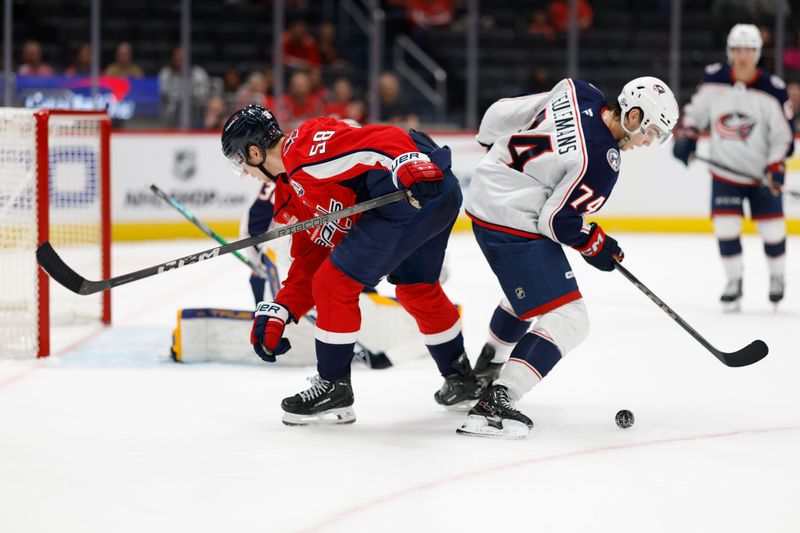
748	116
553	159
326	165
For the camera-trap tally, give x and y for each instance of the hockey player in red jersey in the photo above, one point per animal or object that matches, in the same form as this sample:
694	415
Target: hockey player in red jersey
326	165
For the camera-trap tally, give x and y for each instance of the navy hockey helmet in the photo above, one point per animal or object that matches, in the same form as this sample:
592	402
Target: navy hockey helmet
252	125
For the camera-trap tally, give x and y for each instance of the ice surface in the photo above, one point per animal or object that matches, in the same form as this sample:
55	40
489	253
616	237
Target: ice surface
110	436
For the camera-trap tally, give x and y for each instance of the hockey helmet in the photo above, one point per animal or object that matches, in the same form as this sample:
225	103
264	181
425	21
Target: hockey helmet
744	36
252	125
658	105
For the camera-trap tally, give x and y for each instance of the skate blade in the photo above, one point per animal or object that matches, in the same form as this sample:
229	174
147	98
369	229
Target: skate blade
343	415
731	307
478	426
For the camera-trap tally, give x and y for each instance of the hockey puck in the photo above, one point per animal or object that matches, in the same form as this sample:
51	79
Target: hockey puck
624	419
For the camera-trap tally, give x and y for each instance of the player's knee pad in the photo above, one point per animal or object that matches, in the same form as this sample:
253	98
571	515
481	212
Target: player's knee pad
566	326
430	307
772	230
727	227
336	298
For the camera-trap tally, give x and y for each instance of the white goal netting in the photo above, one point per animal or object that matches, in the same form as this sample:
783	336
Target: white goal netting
74	222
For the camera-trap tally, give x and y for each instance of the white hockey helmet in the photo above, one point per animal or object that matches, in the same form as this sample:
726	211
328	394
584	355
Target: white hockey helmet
744	36
658	105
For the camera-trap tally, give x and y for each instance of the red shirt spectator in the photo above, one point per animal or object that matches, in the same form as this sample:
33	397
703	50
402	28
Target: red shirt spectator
426	14
299	47
299	103
559	15
32	64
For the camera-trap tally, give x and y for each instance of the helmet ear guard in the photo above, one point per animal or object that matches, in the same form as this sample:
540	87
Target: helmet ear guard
657	103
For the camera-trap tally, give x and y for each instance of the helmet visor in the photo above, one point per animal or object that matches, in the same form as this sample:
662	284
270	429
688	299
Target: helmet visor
655	134
238	162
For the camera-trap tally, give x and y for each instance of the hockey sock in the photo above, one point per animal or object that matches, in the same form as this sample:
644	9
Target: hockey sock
531	360
731	252
505	330
776	263
333	360
438	321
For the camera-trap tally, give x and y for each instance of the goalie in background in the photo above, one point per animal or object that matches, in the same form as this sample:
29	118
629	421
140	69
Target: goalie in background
388	335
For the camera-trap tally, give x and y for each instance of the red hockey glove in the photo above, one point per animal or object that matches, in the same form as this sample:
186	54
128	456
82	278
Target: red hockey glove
267	334
776	173
600	251
415	172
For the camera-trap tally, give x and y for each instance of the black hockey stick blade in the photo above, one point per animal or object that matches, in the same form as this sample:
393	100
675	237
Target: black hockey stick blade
61	272
57	269
752	353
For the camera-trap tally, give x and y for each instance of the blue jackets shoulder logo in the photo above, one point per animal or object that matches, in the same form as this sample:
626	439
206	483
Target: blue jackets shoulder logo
613	159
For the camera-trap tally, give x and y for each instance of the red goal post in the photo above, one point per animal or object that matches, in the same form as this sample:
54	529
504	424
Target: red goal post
54	185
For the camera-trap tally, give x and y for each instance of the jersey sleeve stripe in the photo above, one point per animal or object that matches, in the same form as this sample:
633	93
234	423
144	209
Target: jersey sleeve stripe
345	162
584	153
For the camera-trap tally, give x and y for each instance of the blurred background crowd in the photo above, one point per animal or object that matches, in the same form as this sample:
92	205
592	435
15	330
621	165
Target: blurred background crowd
423	59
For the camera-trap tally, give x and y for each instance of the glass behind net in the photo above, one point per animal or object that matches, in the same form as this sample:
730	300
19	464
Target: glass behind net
75	229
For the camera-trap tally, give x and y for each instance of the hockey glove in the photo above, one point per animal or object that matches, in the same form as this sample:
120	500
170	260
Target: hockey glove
776	173
267	334
685	144
415	172
600	251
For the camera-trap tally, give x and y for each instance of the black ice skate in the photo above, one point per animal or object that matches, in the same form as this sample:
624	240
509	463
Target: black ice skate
485	369
460	389
732	296
776	286
325	402
494	416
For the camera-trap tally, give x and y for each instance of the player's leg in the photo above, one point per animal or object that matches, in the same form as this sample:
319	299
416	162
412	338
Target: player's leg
505	331
768	214
727	213
537	281
330	397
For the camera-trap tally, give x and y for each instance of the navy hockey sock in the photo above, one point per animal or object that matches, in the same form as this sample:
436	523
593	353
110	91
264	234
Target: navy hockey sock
444	354
537	352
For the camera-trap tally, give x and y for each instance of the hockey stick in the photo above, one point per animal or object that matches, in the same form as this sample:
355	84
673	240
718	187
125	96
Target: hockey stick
51	263
183	210
373	359
752	353
791	192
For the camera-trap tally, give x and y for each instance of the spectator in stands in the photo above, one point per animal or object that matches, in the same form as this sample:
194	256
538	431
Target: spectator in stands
318	88
326	41
791	55
32	64
299	104
429	14
82	63
559	15
540	25
231	81
540	81
343	105
793	88
216	113
254	91
123	64
299	47
391	108
169	83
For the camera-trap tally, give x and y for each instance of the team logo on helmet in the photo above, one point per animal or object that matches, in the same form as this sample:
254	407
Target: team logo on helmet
613	159
735	126
659	89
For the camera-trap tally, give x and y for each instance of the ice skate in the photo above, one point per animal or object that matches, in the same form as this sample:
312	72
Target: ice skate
460	389
732	296
776	286
485	369
325	402
494	416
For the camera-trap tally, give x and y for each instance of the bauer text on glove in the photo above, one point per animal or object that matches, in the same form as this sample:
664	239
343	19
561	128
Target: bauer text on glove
266	336
415	172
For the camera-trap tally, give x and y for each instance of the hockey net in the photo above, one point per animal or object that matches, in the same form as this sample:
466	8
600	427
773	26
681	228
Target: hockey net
54	185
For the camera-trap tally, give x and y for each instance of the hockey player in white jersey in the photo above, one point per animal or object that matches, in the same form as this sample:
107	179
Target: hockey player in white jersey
748	115
554	158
